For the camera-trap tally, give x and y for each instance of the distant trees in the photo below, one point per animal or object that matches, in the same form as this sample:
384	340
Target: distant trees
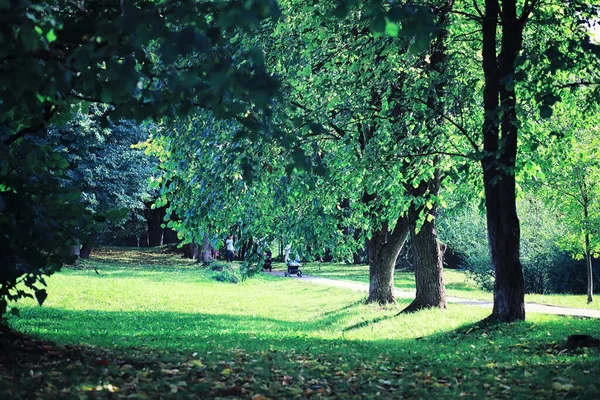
144	60
113	177
572	171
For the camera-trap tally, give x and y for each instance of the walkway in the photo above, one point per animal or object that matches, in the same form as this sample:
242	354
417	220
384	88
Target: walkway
408	294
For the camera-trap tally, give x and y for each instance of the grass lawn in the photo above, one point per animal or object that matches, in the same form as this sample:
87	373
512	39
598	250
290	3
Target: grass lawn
457	284
150	325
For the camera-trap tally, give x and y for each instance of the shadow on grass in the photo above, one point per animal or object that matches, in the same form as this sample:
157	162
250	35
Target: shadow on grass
364	324
519	364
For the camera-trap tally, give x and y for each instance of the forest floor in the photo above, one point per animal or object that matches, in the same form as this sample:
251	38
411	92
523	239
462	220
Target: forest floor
140	324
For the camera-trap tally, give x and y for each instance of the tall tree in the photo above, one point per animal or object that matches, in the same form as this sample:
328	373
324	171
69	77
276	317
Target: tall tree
500	130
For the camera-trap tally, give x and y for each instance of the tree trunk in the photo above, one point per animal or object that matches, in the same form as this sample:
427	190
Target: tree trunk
500	151
191	250
143	240
427	255
74	252
383	252
86	247
169	236
590	282
356	257
206	253
281	245
155	218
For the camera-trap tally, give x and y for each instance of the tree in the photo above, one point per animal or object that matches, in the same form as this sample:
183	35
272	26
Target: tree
111	175
505	36
142	59
572	171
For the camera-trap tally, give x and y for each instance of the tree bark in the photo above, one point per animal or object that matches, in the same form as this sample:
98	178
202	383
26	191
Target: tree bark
155	218
427	255
74	252
206	253
588	252
383	249
588	262
169	236
498	162
191	250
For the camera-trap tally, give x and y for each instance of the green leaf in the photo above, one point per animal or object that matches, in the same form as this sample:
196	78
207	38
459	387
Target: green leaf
30	39
391	28
51	36
307	70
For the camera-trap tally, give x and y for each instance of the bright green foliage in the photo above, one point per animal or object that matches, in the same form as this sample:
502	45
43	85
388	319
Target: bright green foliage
226	183
573	175
351	123
546	266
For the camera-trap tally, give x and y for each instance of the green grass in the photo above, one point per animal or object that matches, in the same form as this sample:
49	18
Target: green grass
166	320
457	282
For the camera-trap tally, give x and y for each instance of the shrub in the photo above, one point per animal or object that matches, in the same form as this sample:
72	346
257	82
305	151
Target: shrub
464	231
546	268
223	272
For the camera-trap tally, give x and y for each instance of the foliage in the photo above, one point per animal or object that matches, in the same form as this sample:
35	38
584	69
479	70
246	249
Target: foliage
155	332
572	169
464	231
39	218
344	89
546	266
103	163
142	60
145	59
224	272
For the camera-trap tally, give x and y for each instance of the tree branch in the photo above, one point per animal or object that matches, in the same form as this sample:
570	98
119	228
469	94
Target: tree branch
470	16
459	127
478	9
574	84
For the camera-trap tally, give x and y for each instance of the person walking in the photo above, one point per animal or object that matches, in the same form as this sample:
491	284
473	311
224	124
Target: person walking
230	248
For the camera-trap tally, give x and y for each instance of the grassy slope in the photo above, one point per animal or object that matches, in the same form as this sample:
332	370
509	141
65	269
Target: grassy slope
457	284
283	338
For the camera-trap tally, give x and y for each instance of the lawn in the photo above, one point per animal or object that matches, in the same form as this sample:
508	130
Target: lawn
458	284
150	325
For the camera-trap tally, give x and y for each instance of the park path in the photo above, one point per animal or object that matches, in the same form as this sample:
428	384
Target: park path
410	294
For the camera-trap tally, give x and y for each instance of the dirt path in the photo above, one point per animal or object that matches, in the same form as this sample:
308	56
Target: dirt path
408	294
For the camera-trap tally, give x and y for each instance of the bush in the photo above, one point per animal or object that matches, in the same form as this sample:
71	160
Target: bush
546	268
464	231
223	272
